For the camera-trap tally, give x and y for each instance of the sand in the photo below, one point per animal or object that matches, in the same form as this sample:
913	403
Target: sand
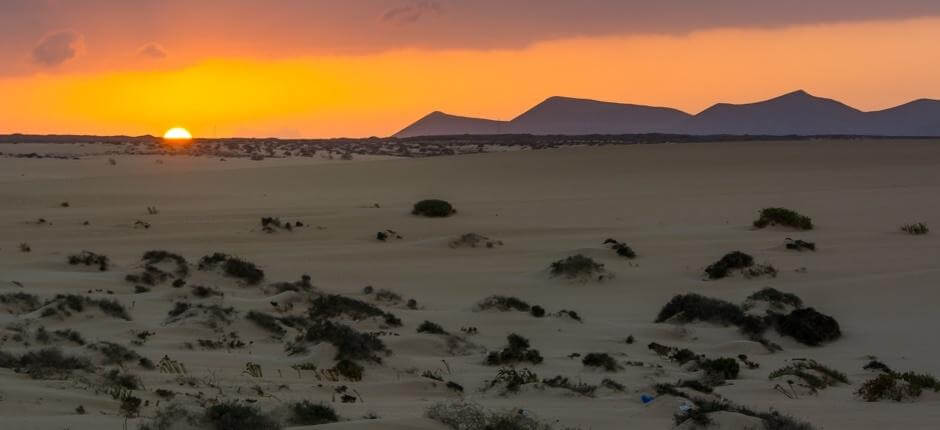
680	207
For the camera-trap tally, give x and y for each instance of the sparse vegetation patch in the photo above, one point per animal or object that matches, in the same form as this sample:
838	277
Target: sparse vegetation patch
784	217
433	208
579	267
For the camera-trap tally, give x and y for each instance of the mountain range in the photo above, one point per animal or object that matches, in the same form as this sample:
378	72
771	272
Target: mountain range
795	113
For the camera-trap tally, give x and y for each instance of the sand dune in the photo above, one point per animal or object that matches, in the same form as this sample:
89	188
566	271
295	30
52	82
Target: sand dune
680	207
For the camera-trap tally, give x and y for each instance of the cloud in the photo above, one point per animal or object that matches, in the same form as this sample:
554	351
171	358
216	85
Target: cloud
57	48
152	50
412	12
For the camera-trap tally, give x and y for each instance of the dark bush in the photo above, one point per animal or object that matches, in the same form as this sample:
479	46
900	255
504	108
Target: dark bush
24	302
578	266
349	369
350	344
783	216
776	299
114	353
233	266
432	328
433	208
538	311
916	228
720	368
799	245
70	335
503	303
235	416
731	261
517	351
601	359
159	256
310	414
47	363
89	258
334	305
115	378
622	249
563	382
267	322
808	326
897	386
693	307
203	291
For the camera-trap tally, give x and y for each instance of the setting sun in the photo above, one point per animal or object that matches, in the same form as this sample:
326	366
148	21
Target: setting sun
177	133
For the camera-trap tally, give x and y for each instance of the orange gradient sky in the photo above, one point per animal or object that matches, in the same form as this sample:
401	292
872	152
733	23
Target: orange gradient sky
227	91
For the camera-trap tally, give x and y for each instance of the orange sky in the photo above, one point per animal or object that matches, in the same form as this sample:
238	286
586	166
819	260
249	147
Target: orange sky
867	64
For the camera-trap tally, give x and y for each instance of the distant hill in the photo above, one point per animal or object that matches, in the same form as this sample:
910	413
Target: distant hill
440	124
795	113
563	115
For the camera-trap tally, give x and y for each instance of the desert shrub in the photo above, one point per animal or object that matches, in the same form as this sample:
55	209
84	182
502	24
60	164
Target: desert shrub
202	292
622	249
570	314
233	266
267	322
66	304
578	387
349	369
897	386
432	328
334	305
877	365
681	356
24	247
89	258
114	353
235	416
503	304
601	359
512	379
814	375
473	240
22	302
731	261
46	363
799	245
179	308
272	224
720	368
159	256
537	311
613	385
116	378
808	326
777	300
516	351
306	413
303	285
783	216
578	266
350	344
695	385
916	228
384	295
433	208
693	307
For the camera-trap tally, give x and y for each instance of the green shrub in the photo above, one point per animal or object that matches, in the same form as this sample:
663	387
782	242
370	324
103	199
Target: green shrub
694	307
517	351
431	328
233	266
578	266
783	216
267	322
916	228
350	344
306	413
602	360
89	258
235	416
731	261
433	208
808	326
503	303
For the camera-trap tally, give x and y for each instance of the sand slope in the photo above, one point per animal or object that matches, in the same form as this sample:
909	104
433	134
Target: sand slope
680	207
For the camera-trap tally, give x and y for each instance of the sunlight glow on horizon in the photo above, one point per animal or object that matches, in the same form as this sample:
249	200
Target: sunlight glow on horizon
177	133
869	65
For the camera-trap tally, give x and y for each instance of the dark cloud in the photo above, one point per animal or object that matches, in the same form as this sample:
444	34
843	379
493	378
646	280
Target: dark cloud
57	48
412	12
152	50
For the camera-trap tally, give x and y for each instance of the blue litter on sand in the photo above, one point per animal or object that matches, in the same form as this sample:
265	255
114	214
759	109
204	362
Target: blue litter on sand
646	398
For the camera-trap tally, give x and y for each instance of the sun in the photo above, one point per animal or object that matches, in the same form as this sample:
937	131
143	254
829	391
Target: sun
177	133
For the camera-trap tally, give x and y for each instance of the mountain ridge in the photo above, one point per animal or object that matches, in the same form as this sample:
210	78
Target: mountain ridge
793	113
